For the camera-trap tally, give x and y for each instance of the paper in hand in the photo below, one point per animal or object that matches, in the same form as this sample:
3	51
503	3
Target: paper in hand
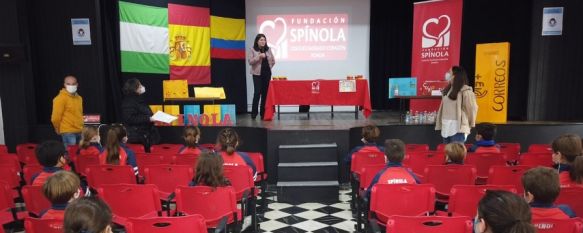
163	117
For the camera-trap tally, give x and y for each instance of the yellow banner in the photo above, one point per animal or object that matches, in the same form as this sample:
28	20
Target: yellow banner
491	81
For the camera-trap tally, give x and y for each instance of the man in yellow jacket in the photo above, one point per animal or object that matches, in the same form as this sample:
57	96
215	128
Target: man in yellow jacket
67	116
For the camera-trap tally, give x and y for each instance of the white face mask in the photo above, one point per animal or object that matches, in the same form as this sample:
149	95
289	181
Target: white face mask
141	90
71	88
448	76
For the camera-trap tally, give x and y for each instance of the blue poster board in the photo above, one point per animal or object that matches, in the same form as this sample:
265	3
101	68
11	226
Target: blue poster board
405	86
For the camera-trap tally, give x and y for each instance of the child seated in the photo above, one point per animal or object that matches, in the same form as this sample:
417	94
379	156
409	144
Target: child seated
209	171
191	137
228	141
541	189
116	152
88	215
502	212
394	172
90	142
569	159
370	134
455	153
485	134
61	188
51	155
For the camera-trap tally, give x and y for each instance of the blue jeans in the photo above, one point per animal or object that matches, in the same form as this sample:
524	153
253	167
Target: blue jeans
70	139
458	137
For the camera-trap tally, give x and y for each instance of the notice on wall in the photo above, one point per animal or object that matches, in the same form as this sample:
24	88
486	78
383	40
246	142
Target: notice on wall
552	21
80	30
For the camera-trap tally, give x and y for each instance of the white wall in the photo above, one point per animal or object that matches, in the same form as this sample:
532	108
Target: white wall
357	55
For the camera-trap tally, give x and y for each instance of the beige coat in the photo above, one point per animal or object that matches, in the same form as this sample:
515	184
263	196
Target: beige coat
467	110
255	60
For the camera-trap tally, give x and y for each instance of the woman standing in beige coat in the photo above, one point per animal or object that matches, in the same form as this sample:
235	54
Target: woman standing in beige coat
458	109
261	61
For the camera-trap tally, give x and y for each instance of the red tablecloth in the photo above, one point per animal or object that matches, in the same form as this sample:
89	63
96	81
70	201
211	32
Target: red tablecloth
287	92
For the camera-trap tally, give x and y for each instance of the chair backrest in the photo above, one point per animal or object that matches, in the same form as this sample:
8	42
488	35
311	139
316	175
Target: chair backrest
367	174
505	175
511	149
110	174
131	200
145	159
362	159
241	178
430	224
72	151
463	199
402	199
195	200
84	161
572	225
416	147
136	148
257	159
3	148
26	153
168	177
417	161
531	159
540	148
446	176
9	175
6	199
9	159
186	160
571	196
30	170
37	225
35	200
209	146
191	223
166	148
483	162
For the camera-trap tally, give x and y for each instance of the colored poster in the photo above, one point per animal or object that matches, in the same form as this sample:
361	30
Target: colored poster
436	45
402	87
81	32
175	89
491	83
552	21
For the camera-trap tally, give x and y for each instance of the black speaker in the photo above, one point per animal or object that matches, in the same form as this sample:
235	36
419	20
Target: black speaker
12	53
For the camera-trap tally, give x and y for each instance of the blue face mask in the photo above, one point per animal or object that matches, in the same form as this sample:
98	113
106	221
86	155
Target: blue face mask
476	222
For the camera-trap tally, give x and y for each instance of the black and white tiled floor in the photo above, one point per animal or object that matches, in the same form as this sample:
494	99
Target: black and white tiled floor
308	217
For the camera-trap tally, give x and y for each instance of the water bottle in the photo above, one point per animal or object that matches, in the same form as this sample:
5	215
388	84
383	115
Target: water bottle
407	118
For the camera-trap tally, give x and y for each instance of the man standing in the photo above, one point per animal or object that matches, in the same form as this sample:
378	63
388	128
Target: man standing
67	117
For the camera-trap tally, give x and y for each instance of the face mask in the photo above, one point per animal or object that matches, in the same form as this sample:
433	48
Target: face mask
447	76
96	139
476	222
71	88
141	90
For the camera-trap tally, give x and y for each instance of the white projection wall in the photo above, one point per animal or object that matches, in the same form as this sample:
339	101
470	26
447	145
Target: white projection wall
311	39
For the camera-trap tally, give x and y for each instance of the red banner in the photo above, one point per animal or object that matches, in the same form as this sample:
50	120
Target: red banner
437	27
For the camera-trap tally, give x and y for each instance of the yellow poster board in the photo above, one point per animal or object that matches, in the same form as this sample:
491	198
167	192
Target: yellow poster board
210	92
175	89
491	81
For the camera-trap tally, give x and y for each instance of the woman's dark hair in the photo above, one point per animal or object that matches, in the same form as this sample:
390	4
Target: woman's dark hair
256	46
114	136
228	139
131	86
209	170
460	78
505	212
190	135
87	214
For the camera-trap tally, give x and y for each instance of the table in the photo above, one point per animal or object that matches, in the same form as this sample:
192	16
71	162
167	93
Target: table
303	92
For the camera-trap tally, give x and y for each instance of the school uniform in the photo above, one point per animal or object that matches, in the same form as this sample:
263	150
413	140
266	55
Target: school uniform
485	146
393	173
546	211
126	157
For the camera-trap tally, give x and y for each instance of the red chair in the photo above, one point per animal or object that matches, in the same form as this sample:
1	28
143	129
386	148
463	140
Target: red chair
7	206
136	148
504	175
572	225
571	196
192	223
166	148
30	170
145	159
430	224
167	177
536	159
483	162
446	176
406	199
367	175
241	178
3	149
186	160
540	148
83	162
34	199
441	147
362	159
9	159
463	200
131	201
209	146
417	161
9	174
416	147
195	200
26	153
110	174
261	179
512	150
72	151
37	225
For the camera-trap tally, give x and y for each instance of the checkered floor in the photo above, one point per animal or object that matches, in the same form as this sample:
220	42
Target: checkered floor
308	217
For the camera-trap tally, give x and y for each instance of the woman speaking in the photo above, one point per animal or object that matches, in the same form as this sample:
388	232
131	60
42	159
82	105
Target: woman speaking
261	61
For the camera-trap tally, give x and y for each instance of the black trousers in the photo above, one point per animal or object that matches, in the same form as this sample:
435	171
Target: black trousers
260	86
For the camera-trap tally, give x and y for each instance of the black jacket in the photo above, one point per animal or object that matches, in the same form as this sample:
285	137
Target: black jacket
136	118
